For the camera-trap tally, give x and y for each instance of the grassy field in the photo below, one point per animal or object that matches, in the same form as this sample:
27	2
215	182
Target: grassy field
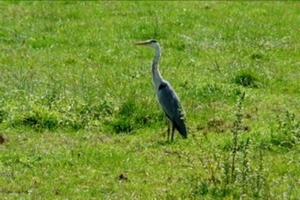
78	113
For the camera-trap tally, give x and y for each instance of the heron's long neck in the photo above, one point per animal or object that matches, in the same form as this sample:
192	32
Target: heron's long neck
156	76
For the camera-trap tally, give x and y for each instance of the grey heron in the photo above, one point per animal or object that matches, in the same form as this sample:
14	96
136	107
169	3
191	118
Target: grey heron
166	95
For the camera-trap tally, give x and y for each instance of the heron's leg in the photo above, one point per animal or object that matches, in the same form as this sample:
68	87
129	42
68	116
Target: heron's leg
173	129
168	123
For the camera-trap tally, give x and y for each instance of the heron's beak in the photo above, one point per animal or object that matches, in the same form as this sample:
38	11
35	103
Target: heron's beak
141	43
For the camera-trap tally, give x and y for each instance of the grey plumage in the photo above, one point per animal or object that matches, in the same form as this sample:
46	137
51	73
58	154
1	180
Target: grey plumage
166	95
170	104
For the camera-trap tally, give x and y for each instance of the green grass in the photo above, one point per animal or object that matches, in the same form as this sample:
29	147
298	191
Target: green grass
79	118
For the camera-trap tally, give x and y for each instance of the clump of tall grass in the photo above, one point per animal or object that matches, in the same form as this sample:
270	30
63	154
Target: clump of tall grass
133	115
247	80
287	132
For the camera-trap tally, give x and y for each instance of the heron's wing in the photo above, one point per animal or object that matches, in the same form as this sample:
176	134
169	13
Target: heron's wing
170	104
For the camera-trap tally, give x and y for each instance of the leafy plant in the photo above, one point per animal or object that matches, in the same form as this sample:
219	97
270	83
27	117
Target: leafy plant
233	174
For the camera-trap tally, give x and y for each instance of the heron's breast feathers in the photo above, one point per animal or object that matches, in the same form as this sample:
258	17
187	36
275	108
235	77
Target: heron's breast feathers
182	113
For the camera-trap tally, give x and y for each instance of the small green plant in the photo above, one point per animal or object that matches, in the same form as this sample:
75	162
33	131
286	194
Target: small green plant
3	114
246	80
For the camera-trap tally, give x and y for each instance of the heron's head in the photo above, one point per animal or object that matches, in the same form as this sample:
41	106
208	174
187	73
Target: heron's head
148	43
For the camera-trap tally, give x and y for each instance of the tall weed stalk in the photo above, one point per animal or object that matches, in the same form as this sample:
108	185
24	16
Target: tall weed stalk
235	131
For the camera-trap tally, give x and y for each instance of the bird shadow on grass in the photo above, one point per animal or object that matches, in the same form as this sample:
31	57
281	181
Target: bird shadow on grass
165	142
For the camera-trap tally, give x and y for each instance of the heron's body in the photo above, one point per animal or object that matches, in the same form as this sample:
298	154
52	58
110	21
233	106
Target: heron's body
166	95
